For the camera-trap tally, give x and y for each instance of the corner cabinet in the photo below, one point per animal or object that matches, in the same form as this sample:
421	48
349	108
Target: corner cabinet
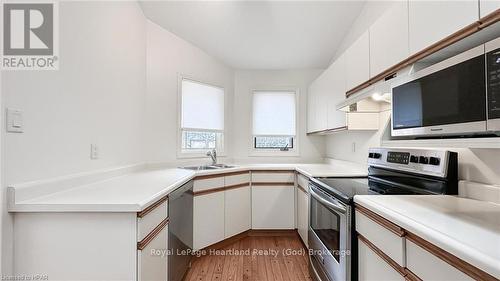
221	207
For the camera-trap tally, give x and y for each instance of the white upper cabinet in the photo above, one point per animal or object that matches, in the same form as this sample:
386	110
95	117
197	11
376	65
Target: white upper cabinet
317	105
336	118
310	108
431	21
389	38
321	102
488	6
358	61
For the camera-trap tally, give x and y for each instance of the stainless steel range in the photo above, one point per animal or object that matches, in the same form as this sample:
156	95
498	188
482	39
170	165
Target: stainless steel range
331	208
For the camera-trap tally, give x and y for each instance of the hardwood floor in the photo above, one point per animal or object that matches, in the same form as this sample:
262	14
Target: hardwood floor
258	257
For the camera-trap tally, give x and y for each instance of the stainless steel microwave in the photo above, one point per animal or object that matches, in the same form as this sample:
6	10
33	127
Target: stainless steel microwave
458	96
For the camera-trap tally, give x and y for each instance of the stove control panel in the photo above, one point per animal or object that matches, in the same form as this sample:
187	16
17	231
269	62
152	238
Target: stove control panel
422	161
398	157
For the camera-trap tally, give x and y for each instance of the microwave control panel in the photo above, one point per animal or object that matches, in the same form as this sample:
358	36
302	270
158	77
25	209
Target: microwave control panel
493	76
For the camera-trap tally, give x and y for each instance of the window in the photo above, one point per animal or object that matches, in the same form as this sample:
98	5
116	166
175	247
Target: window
202	117
274	121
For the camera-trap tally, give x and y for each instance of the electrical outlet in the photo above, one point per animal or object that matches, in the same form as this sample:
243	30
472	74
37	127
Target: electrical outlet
353	147
94	152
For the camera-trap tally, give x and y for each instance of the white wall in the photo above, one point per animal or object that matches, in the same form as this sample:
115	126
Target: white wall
96	96
311	147
169	56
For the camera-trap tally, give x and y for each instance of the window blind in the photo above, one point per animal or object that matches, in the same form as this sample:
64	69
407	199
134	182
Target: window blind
274	113
202	106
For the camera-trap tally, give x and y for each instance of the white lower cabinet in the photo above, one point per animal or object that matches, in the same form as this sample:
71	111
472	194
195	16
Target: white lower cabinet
373	268
429	267
302	214
152	265
237	210
388	242
273	207
208	219
384	255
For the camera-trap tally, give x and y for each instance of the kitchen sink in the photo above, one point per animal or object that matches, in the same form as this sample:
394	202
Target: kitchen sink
208	167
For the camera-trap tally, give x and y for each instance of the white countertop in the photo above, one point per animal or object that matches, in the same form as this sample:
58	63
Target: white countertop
134	191
466	228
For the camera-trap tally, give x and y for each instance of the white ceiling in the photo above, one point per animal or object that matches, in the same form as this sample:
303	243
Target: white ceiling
259	34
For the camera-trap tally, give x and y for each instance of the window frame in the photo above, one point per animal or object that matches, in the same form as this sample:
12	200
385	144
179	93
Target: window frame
265	152
220	138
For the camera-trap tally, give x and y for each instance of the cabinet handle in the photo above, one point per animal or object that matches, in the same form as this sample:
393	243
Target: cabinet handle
146	240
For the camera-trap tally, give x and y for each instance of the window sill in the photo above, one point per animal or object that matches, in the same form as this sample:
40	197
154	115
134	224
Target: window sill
197	155
274	153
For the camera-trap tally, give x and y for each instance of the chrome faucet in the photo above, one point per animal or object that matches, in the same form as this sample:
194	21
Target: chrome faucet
213	154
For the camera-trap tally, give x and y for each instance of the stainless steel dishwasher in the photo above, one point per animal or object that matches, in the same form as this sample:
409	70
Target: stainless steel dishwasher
180	230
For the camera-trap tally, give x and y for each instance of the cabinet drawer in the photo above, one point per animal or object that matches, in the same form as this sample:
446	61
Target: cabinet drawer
382	237
152	267
303	182
373	267
278	177
151	217
208	183
429	267
237	179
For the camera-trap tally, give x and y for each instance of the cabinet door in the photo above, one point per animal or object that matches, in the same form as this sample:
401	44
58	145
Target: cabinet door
152	266
389	38
431	21
302	215
324	92
317	109
311	105
237	210
429	267
208	219
273	207
357	61
336	118
488	6
373	267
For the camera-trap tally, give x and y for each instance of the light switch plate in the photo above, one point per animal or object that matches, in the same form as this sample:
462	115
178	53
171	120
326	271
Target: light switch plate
14	121
94	151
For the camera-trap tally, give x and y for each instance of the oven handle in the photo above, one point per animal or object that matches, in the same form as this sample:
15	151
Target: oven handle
332	205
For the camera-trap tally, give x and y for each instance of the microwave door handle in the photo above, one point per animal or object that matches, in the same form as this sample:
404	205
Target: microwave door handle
332	205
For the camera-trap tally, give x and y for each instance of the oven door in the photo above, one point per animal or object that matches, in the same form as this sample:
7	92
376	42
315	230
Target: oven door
329	237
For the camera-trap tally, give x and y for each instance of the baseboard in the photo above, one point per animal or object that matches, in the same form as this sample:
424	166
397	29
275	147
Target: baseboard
272	232
254	233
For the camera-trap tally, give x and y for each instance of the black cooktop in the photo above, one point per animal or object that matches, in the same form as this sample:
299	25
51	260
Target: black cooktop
345	188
